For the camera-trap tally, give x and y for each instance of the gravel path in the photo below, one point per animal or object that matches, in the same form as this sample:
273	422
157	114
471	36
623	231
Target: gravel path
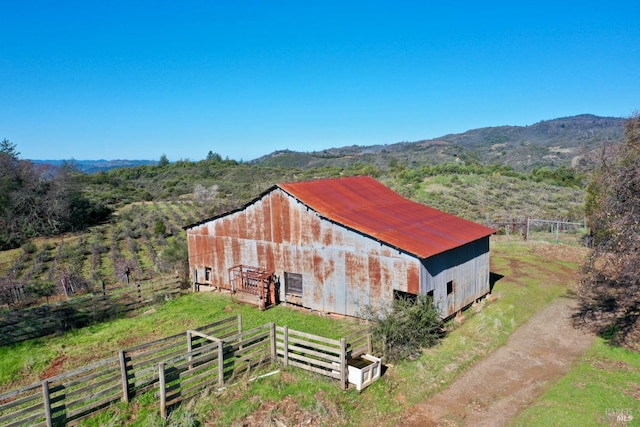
495	390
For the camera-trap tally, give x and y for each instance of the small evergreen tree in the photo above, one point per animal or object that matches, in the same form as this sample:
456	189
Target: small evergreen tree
164	161
176	256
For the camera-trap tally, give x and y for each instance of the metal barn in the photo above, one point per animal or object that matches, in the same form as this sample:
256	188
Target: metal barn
337	245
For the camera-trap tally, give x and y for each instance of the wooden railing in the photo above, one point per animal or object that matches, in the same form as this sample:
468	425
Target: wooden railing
35	322
180	366
77	394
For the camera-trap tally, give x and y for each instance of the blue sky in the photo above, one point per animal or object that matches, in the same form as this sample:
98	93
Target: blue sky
136	79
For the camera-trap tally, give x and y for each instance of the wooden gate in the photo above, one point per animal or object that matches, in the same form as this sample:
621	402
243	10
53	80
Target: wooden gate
254	281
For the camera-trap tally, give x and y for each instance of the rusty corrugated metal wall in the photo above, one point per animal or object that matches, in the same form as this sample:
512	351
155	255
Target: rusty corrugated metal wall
342	270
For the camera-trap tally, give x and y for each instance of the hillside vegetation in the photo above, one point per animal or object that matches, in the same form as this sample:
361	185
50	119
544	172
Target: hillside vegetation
64	225
565	142
151	204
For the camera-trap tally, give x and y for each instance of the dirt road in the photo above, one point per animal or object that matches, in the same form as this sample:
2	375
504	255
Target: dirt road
495	390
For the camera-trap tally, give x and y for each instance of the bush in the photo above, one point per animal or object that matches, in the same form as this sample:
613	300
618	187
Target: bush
29	248
408	326
160	228
42	289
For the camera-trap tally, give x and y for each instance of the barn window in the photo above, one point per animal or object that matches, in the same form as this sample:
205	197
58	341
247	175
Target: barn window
405	296
207	274
449	287
430	294
293	283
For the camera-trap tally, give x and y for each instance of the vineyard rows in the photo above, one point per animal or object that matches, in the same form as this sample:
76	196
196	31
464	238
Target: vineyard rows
132	241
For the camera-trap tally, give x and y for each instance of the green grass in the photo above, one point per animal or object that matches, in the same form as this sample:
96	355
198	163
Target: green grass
23	363
603	385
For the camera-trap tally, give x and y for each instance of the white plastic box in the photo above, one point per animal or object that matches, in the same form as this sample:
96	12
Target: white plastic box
363	370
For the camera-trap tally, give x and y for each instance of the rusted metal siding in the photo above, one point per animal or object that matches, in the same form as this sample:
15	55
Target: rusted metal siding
343	269
467	267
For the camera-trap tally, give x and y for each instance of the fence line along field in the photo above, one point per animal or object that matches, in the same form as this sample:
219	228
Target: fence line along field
179	367
126	249
92	307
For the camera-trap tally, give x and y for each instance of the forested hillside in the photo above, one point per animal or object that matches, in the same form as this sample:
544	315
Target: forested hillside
37	202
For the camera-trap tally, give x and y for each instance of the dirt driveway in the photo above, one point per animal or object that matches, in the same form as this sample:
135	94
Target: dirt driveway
495	390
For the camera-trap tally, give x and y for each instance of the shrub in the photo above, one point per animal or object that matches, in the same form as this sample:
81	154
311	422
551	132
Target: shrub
29	248
42	289
160	228
405	328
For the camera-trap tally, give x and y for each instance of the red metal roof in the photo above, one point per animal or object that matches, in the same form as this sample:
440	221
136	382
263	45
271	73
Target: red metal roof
366	205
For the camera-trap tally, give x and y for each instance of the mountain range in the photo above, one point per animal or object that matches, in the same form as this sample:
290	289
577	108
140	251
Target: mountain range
575	141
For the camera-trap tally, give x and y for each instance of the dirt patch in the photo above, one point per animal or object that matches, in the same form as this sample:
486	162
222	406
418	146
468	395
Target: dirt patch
495	390
566	253
287	412
55	368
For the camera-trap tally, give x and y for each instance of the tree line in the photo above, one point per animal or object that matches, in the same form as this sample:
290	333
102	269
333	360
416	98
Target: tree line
610	286
39	201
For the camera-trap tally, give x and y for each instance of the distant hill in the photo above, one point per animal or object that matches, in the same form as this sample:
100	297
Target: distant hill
570	141
93	166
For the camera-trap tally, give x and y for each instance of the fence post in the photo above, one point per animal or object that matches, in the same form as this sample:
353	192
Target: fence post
239	323
124	376
343	363
220	364
369	343
162	391
47	402
189	348
272	335
286	346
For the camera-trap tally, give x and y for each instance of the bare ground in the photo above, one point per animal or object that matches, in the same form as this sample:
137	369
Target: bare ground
495	390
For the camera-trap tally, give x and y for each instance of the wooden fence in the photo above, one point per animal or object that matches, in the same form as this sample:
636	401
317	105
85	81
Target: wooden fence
213	364
180	366
80	311
313	353
75	395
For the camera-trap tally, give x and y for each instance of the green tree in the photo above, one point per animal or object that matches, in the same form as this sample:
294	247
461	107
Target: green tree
41	290
610	287
175	256
160	229
214	157
8	148
164	161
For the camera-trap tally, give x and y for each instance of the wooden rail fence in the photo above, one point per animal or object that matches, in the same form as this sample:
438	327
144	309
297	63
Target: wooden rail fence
80	311
213	364
180	367
74	395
